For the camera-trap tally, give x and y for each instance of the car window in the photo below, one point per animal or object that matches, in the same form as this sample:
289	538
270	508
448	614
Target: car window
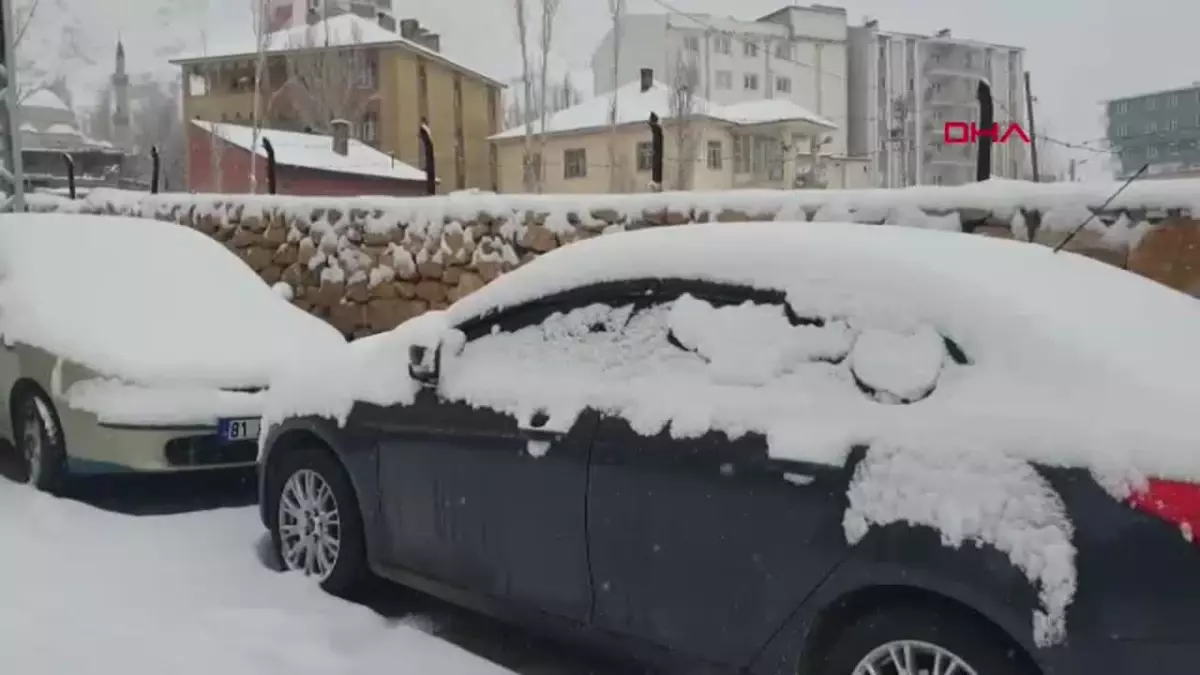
680	355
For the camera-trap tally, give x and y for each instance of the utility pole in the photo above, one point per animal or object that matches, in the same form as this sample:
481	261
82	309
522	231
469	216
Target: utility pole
1032	129
10	135
1071	169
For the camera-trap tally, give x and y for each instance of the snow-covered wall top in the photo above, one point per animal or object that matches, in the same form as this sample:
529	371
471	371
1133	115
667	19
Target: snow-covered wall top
368	263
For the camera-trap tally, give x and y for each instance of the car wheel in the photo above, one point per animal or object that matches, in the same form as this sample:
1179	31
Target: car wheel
906	639
39	441
316	526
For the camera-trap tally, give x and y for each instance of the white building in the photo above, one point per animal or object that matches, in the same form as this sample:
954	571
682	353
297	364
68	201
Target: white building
734	146
286	13
903	90
795	53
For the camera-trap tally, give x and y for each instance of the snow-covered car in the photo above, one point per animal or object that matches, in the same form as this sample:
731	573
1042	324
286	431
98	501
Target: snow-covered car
135	345
771	448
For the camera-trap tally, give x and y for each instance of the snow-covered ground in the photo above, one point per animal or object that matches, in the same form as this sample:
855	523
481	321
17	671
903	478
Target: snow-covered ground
88	591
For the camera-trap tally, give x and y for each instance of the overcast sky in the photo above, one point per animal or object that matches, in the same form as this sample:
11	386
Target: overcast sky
1079	51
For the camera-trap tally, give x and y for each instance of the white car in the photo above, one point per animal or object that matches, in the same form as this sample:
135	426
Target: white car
136	345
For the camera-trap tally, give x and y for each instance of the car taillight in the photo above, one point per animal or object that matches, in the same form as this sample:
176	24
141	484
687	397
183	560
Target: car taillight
1175	502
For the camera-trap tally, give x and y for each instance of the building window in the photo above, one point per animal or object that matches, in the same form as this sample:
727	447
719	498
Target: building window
750	82
724	79
750	49
741	154
1152	151
783	84
715	161
1123	130
575	163
1174	125
783	51
1172	100
1149	104
1122	107
722	44
691	43
645	156
1152	127
535	164
369	129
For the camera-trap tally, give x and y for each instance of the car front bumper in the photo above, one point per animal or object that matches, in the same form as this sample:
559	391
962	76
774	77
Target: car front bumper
108	448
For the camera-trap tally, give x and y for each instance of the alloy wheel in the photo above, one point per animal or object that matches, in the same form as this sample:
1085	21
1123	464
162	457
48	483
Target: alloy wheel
912	657
31	441
310	526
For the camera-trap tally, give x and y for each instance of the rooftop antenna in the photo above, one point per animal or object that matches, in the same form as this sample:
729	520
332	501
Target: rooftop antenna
1103	206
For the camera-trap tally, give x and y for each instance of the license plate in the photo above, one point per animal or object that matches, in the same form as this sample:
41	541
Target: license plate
238	429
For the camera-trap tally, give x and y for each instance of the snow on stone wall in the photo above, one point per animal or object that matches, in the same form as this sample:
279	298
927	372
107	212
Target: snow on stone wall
368	263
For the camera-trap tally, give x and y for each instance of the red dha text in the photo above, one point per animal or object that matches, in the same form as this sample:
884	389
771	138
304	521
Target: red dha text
960	133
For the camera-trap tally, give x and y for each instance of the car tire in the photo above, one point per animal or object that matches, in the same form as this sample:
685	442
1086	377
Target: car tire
925	629
38	438
314	474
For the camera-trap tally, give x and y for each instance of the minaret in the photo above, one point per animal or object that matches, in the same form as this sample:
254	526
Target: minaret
122	134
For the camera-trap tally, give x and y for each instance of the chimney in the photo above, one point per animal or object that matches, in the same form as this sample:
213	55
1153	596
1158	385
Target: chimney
409	28
313	17
387	22
341	137
647	79
430	41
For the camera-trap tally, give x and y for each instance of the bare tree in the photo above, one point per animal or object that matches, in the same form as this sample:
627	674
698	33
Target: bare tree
329	78
262	37
616	10
559	96
156	123
23	15
528	177
98	122
545	39
684	82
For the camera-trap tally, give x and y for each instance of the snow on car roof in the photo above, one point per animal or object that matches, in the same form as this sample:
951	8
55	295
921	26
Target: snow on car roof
1004	295
146	301
1071	362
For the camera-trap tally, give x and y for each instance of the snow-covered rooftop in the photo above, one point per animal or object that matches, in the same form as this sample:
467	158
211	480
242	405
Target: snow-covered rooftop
315	151
61	128
44	98
344	30
635	106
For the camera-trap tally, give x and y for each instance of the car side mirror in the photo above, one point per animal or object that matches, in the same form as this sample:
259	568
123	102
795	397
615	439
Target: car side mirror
423	363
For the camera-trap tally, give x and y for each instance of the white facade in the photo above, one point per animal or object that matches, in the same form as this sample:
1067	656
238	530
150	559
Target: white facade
797	53
904	88
287	13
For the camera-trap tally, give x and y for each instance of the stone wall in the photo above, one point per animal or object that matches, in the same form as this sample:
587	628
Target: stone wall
367	264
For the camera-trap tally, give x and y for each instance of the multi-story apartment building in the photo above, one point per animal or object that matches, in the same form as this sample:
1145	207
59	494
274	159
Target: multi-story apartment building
287	13
1161	129
903	90
795	53
394	80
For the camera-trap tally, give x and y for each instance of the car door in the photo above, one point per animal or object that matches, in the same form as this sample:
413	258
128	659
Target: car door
706	544
486	500
10	372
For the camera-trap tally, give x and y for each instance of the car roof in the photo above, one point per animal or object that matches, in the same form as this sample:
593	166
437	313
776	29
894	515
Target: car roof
1003	299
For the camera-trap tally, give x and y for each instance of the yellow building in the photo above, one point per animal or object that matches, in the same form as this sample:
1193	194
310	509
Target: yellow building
757	144
382	82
